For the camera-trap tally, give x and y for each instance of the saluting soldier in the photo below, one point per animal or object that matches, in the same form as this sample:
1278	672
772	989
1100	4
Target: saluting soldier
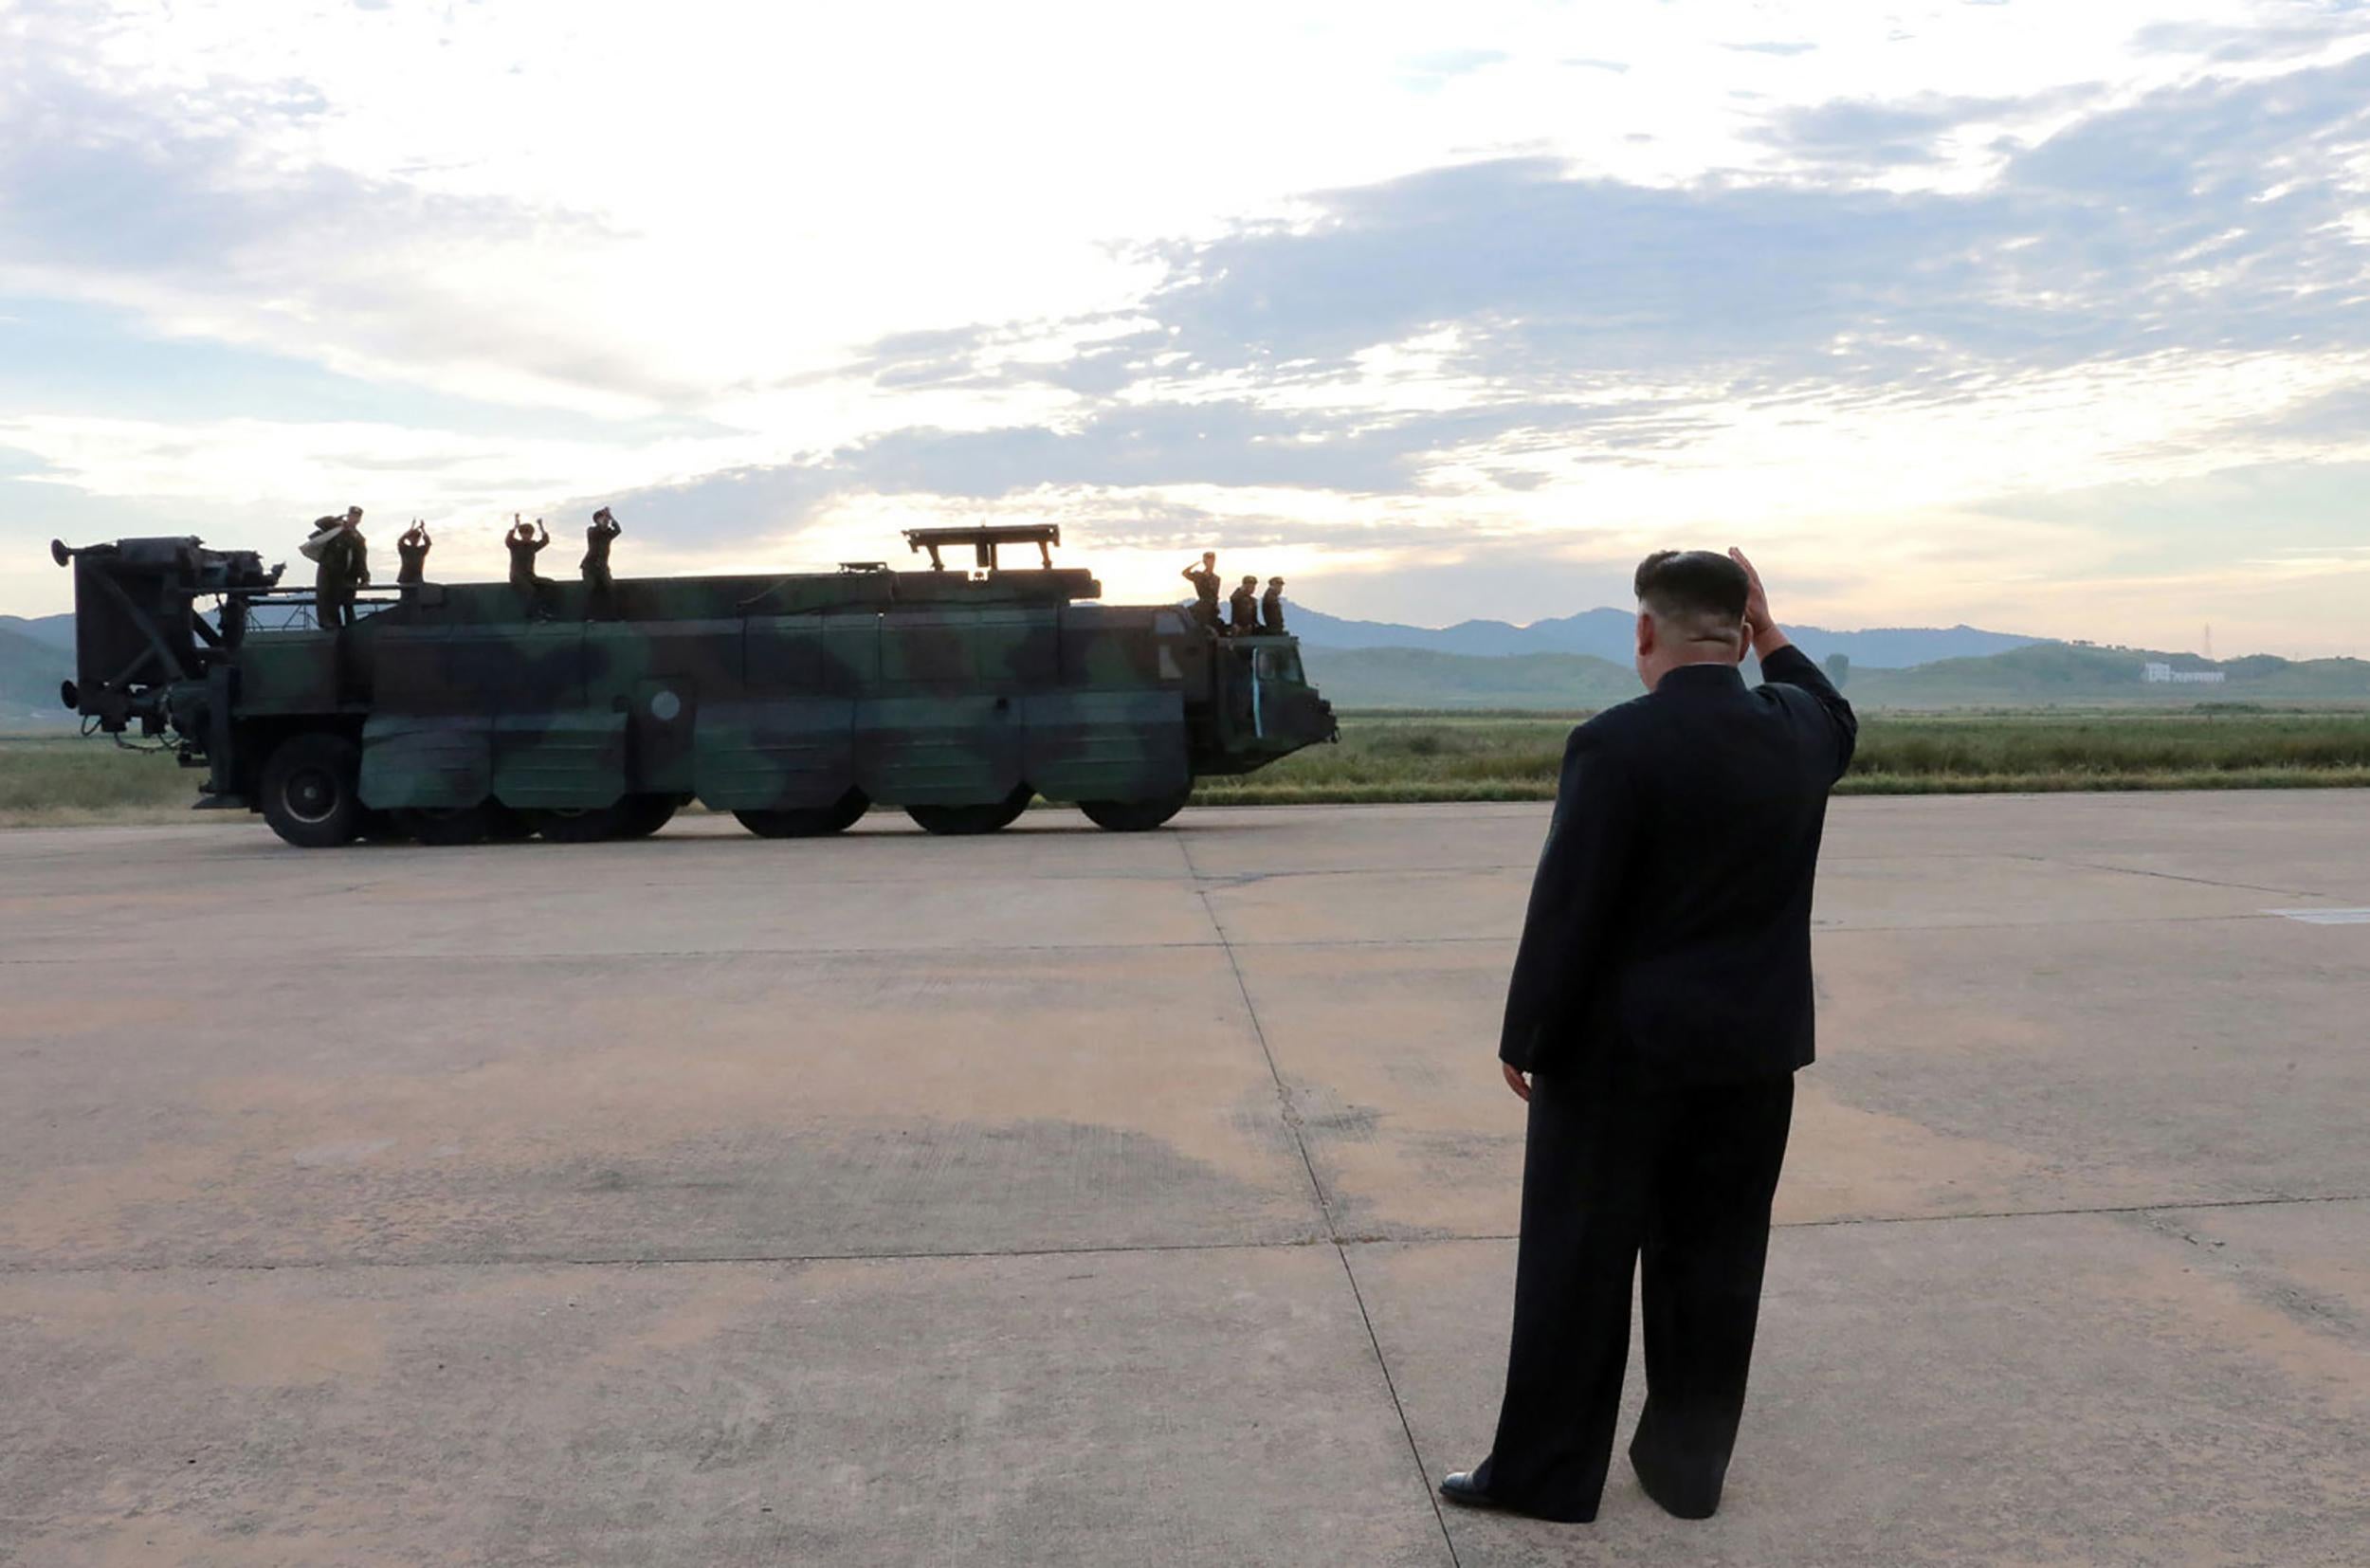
1244	604
341	564
525	544
597	583
413	550
1271	609
1205	581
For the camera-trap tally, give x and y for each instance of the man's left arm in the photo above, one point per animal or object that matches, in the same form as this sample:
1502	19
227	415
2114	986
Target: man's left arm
1574	897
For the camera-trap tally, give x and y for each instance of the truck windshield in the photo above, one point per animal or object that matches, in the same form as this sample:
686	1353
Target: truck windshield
1279	663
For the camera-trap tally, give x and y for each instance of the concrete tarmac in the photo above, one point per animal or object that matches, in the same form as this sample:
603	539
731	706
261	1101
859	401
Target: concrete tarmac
1068	1198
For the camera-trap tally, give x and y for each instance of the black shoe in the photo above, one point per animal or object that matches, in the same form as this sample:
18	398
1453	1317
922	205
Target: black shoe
1458	1487
1471	1489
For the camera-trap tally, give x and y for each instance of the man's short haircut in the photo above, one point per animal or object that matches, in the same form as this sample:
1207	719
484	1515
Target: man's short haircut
1699	592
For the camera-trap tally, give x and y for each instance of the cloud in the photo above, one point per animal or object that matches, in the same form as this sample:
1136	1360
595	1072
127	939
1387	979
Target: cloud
2304	30
195	212
1568	322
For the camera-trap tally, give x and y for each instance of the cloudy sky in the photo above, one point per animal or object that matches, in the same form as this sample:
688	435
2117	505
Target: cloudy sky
2054	318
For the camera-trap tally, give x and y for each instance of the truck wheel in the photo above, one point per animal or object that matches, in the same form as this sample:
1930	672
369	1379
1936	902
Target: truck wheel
309	791
445	827
651	813
1133	816
972	819
808	821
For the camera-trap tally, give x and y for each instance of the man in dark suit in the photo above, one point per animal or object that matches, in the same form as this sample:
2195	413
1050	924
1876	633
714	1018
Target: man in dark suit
1660	1004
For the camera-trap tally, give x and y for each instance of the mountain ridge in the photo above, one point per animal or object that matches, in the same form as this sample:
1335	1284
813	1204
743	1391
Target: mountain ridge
1606	633
2039	675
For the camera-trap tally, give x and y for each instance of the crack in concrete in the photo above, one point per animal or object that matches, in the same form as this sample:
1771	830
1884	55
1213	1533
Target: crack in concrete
1329	1237
1292	1120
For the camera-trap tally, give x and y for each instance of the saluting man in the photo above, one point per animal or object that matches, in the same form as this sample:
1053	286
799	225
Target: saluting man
598	538
1660	1004
1205	581
526	543
411	549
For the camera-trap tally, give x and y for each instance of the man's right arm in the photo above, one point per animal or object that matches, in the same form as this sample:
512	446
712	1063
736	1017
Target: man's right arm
1786	665
1789	665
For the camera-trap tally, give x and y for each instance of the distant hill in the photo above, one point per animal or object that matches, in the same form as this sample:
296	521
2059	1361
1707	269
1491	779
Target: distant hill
1418	678
2059	673
1609	633
31	669
57	630
2039	675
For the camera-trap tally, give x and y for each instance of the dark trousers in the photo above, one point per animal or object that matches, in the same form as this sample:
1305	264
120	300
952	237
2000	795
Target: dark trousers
333	608
1683	1176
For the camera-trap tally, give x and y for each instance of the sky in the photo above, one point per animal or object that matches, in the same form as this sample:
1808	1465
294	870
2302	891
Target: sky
2053	319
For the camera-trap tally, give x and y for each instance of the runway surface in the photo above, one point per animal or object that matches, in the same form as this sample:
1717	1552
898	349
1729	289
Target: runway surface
1067	1197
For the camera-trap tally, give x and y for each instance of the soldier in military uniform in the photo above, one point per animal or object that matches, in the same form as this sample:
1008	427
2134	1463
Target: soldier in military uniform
341	564
525	544
413	550
597	583
1205	581
1244	606
1271	609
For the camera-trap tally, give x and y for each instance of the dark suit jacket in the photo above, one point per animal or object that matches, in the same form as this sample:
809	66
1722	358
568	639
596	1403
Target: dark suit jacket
1670	923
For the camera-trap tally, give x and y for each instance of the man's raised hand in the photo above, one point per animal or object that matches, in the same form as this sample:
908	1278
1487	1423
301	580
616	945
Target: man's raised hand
1757	617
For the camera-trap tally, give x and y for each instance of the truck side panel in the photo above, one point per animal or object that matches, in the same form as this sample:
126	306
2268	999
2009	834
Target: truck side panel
774	753
1105	746
427	760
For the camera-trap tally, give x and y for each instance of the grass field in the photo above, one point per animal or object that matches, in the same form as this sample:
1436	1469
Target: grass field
1515	756
1398	756
64	779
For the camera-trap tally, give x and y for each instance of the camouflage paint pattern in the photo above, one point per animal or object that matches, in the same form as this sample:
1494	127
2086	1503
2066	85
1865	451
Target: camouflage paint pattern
749	693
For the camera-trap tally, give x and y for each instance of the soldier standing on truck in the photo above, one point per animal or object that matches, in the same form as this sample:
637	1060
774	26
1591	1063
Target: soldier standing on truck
341	564
598	584
525	544
1271	609
1205	581
1244	604
413	550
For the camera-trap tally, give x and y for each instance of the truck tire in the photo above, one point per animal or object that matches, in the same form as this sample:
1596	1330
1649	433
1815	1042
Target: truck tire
309	791
808	821
972	819
651	813
1133	816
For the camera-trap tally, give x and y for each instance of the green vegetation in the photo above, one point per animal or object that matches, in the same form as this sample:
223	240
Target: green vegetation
69	779
1515	756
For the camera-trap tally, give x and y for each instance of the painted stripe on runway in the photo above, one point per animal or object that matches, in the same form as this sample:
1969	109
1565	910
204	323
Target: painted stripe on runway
2326	917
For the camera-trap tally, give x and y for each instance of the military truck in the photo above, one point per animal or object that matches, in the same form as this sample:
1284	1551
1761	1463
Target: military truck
455	713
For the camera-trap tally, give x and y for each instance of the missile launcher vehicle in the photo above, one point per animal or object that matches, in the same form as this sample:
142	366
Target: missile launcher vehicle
454	713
